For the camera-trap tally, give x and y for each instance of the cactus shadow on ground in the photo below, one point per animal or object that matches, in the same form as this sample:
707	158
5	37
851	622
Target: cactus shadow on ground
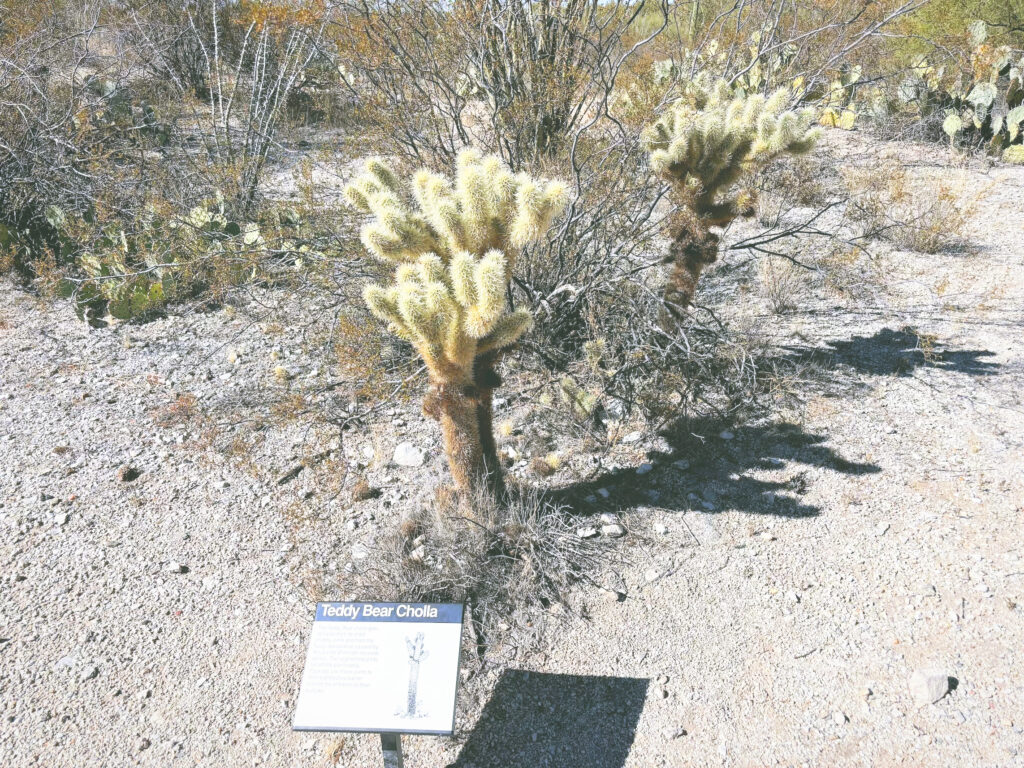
898	353
561	721
704	471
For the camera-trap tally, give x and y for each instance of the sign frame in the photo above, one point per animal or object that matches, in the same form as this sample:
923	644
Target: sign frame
398	732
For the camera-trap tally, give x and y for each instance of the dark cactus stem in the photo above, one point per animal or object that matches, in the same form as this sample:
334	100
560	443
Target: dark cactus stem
487	380
692	249
456	407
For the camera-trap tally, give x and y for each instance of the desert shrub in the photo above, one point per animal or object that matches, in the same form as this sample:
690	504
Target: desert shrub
927	217
91	154
508	564
781	283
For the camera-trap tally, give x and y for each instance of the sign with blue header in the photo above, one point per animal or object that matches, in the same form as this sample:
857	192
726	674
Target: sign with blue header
381	667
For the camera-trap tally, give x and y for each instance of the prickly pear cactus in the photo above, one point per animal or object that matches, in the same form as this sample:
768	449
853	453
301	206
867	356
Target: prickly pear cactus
840	107
983	107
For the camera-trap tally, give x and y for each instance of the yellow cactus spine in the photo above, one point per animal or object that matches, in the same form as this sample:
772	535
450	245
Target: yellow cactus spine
454	242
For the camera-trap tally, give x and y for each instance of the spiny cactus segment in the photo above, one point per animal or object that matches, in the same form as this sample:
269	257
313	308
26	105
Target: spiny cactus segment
710	138
451	313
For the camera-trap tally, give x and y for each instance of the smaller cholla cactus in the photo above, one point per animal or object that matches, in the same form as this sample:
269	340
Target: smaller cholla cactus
455	246
707	143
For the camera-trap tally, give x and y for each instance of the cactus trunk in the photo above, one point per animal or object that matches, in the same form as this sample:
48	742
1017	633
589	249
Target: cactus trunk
690	251
488	380
414	677
464	413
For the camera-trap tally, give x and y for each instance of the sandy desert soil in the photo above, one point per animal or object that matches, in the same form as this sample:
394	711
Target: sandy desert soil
158	571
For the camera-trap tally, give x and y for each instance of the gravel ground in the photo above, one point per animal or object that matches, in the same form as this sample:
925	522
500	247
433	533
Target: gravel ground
161	548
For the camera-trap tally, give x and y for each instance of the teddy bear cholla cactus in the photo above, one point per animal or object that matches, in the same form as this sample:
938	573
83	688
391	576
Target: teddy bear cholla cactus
455	247
707	142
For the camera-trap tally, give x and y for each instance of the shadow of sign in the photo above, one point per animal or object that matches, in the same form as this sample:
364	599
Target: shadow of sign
559	721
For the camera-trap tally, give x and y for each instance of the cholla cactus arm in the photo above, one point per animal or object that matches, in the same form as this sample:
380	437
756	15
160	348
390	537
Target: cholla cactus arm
506	331
710	138
704	145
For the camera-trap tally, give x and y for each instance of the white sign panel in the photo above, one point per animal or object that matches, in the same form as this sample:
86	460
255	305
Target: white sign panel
381	667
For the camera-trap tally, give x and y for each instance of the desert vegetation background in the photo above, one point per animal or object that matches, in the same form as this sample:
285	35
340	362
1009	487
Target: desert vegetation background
678	340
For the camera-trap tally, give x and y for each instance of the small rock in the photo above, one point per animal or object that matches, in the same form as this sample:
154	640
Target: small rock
614	531
927	686
359	552
62	518
220	485
608	518
613	595
681	464
678	733
586	532
417	555
660	528
89	672
652	574
632	437
840	718
176	567
663	693
644	468
792	596
881	528
142	744
408	455
604	493
726	435
126	474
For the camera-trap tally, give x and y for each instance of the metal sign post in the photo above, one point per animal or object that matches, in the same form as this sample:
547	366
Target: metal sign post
391	746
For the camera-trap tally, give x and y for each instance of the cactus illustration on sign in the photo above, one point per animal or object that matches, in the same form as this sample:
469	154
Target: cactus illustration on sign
417	653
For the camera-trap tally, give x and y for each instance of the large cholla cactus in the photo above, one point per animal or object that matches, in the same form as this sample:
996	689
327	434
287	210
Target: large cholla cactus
706	143
455	247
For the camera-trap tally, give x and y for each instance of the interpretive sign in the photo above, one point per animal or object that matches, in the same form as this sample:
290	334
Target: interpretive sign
381	667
